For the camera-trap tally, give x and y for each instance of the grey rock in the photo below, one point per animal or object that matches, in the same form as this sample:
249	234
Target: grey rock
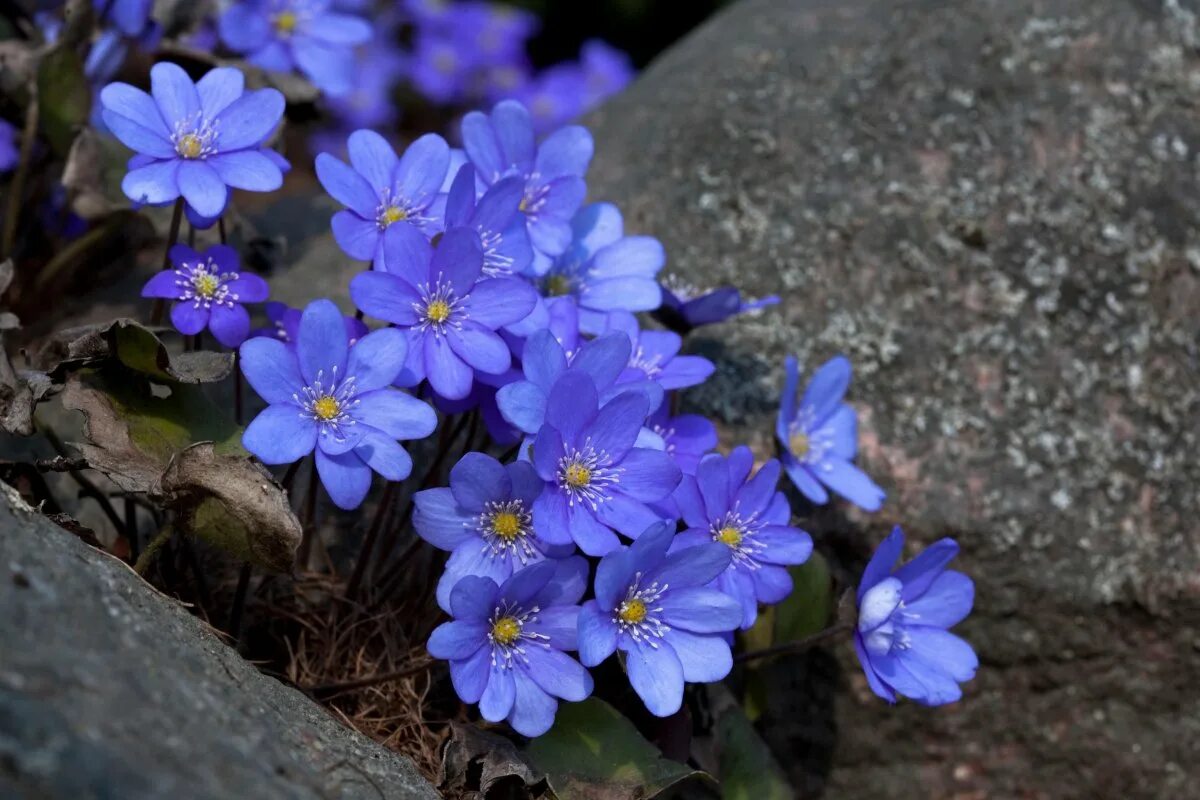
110	690
992	208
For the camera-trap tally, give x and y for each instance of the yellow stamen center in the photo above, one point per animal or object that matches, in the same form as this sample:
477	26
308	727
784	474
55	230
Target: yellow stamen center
506	630
729	536
206	284
438	311
557	286
326	407
578	476
798	443
189	146
394	214
286	21
506	526
632	611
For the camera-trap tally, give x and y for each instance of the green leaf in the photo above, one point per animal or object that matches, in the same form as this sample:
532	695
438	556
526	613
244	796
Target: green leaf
748	771
806	610
594	752
64	97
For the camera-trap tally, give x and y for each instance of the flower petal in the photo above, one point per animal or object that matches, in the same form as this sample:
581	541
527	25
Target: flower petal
322	344
474	598
384	455
218	88
478	479
700	610
496	302
498	697
345	477
480	347
280	434
250	170
945	603
136	106
657	676
439	520
203	188
826	390
347	186
704	658
230	325
533	710
851	483
373	158
692	566
358	238
457	639
174	93
557	674
447	373
597	634
567	151
470	675
422	169
918	574
376	359
271	369
399	415
154	184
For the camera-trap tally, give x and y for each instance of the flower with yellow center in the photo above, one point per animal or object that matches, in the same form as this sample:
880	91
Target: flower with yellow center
578	476
557	286
506	630
392	215
205	284
189	146
632	611
285	22
326	407
798	443
506	525
730	536
438	311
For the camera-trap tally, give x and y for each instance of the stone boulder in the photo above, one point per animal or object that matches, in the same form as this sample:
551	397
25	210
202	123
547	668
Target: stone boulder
108	689
993	208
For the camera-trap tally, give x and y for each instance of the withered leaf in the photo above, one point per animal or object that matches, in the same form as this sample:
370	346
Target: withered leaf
233	503
136	347
496	758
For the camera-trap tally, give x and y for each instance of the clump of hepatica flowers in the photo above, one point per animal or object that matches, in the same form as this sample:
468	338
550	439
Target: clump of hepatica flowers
902	637
819	437
209	292
505	647
195	140
336	400
723	503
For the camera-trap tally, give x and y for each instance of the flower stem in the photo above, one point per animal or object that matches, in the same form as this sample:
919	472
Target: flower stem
797	646
156	313
306	523
239	602
237	386
364	555
151	552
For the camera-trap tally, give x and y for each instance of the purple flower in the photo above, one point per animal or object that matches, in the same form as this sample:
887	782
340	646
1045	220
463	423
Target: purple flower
491	32
902	637
128	16
523	402
496	217
392	204
505	646
368	103
606	71
605	270
285	35
655	356
685	307
440	68
449	311
10	150
821	437
555	96
597	480
686	438
655	607
208	291
502	144
327	396
485	520
723	504
197	140
285	325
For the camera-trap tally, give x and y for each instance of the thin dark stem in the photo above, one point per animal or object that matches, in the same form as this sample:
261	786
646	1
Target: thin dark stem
239	602
797	646
221	230
88	488
373	680
16	187
189	553
511	453
191	235
131	529
60	464
156	314
364	555
290	475
306	523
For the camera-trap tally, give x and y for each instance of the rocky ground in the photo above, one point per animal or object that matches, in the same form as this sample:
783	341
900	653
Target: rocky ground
991	207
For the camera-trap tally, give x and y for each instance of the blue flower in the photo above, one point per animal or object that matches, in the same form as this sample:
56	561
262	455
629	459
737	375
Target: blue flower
654	606
335	398
597	480
440	69
496	217
449	311
128	16
285	325
555	96
544	360
902	637
505	646
724	504
208	290
10	150
393	204
685	307
485	519
655	355
605	270
821	437
502	144
197	140
285	35
686	438
606	71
